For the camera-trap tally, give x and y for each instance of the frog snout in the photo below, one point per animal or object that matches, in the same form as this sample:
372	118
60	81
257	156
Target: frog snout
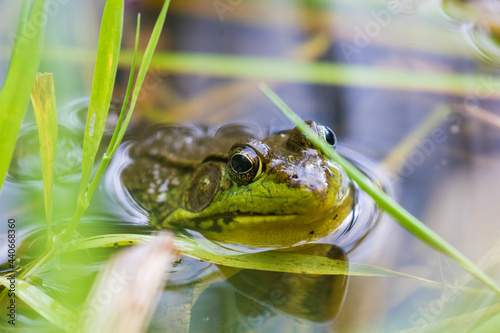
311	176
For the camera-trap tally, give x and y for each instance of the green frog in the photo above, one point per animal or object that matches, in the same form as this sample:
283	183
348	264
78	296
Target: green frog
234	187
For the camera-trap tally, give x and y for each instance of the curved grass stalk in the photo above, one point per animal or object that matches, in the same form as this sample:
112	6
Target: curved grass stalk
275	261
389	205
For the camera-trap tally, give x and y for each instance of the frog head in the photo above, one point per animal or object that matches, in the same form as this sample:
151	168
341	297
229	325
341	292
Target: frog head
275	192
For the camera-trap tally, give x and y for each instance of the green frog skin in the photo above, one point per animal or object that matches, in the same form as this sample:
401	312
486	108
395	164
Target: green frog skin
235	188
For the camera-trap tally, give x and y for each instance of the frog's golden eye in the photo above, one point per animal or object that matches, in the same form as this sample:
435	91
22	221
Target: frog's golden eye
245	165
327	134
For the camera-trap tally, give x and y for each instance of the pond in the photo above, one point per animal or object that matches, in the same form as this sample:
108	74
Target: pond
411	91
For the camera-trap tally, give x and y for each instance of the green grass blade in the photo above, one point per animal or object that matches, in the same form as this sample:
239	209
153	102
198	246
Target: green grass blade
489	326
106	65
113	240
21	24
44	104
327	73
153	41
485	319
275	261
45	305
401	215
285	70
146	61
87	190
24	61
102	85
126	100
116	138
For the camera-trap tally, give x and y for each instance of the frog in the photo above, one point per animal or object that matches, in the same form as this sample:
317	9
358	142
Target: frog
236	187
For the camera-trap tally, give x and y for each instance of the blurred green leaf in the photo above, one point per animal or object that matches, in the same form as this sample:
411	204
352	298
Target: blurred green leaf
328	73
293	71
484	320
488	326
45	305
24	61
275	261
108	241
44	104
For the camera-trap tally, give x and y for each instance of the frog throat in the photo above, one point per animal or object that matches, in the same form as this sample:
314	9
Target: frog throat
263	229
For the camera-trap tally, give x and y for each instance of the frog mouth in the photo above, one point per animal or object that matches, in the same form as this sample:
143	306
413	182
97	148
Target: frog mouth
218	223
269	229
263	218
262	229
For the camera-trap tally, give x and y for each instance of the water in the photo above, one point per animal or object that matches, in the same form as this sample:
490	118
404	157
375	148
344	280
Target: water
246	300
449	181
191	279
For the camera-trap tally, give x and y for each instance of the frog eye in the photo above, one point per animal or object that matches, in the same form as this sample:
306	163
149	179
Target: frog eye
244	165
327	134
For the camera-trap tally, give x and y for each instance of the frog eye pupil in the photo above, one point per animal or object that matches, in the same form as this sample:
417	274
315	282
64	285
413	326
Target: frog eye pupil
241	163
330	137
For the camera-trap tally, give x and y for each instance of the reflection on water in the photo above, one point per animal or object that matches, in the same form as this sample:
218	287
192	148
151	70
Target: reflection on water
478	23
229	300
273	300
25	165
